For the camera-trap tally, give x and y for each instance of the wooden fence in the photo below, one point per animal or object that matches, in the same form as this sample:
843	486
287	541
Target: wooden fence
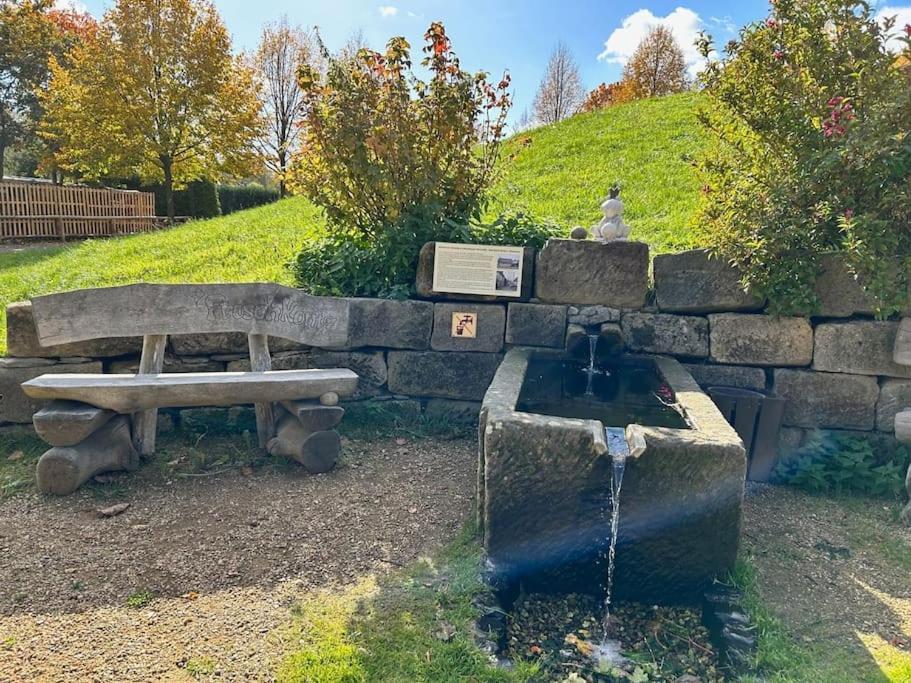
33	209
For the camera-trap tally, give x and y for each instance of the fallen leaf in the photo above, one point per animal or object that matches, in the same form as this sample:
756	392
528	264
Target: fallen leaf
192	595
114	510
15	455
535	650
583	646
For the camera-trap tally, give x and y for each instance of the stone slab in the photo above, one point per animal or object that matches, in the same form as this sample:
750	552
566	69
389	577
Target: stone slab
536	325
132	393
140	309
390	324
694	282
424	279
66	423
840	295
894	396
592	315
490	327
901	352
463	376
827	399
582	272
745	339
743	377
313	417
15	405
903	426
676	335
860	347
22	339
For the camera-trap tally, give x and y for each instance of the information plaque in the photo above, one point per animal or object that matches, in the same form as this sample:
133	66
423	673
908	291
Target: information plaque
477	269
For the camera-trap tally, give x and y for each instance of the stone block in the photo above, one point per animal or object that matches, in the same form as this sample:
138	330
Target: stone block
15	406
171	364
22	339
613	274
67	423
609	343
592	315
894	396
743	339
536	325
677	335
728	376
370	367
390	324
489	328
448	410
827	399
220	343
903	426
424	278
901	352
463	376
694	282
861	347
840	294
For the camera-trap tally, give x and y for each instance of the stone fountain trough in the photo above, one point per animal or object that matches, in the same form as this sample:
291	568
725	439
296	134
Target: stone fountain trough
545	472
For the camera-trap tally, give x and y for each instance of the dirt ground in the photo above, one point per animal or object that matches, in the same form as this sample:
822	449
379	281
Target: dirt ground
836	571
225	557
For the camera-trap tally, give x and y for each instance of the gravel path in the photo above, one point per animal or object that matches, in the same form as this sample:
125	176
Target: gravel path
224	556
838	572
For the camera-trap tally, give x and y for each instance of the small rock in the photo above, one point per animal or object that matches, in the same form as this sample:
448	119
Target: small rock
15	455
113	510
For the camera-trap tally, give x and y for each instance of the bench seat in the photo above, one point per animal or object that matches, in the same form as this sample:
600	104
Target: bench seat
133	393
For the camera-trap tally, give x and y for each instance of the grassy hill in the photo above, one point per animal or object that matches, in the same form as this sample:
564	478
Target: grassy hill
564	171
560	172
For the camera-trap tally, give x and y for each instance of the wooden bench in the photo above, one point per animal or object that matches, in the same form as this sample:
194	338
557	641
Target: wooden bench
99	423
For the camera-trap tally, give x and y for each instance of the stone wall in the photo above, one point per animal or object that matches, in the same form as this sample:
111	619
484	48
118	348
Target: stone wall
836	371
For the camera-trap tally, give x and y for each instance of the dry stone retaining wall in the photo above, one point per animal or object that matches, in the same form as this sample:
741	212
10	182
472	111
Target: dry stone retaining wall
837	371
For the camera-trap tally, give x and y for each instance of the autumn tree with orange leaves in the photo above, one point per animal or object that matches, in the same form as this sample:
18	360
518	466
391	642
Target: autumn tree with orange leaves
658	66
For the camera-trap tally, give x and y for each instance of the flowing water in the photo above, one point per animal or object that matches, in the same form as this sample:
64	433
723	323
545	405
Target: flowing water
590	370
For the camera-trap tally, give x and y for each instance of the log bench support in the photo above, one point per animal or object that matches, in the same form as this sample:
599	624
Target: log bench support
305	434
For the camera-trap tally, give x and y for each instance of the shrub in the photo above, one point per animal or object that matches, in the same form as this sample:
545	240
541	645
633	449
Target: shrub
350	264
842	464
380	144
608	94
811	114
233	198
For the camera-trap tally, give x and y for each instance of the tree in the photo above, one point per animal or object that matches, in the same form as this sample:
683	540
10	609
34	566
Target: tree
561	91
657	67
282	49
809	114
608	94
155	93
25	39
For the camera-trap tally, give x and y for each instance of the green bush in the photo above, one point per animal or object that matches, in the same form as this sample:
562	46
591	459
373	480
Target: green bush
811	114
842	464
350	264
233	198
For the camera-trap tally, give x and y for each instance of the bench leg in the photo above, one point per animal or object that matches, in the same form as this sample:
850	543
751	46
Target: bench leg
145	423
63	469
261	361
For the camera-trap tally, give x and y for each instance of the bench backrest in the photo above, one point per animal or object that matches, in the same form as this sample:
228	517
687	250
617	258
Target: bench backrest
147	309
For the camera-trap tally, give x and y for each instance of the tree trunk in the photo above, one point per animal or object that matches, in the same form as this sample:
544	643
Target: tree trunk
283	169
167	168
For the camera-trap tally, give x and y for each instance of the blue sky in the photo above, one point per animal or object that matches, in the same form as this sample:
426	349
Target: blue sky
495	35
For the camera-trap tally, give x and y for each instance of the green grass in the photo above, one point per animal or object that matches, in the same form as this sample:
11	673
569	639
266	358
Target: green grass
782	658
247	246
412	626
564	171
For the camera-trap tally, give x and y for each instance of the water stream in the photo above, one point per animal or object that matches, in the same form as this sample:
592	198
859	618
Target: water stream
590	371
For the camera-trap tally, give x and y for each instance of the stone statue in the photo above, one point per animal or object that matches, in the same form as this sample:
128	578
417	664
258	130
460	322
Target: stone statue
611	226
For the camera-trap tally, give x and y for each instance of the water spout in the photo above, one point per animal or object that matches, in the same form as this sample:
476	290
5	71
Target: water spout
590	370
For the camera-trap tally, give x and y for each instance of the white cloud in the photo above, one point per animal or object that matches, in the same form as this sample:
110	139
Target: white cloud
902	16
387	10
74	5
683	22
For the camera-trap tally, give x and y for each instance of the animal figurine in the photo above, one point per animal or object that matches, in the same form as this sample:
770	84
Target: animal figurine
611	226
